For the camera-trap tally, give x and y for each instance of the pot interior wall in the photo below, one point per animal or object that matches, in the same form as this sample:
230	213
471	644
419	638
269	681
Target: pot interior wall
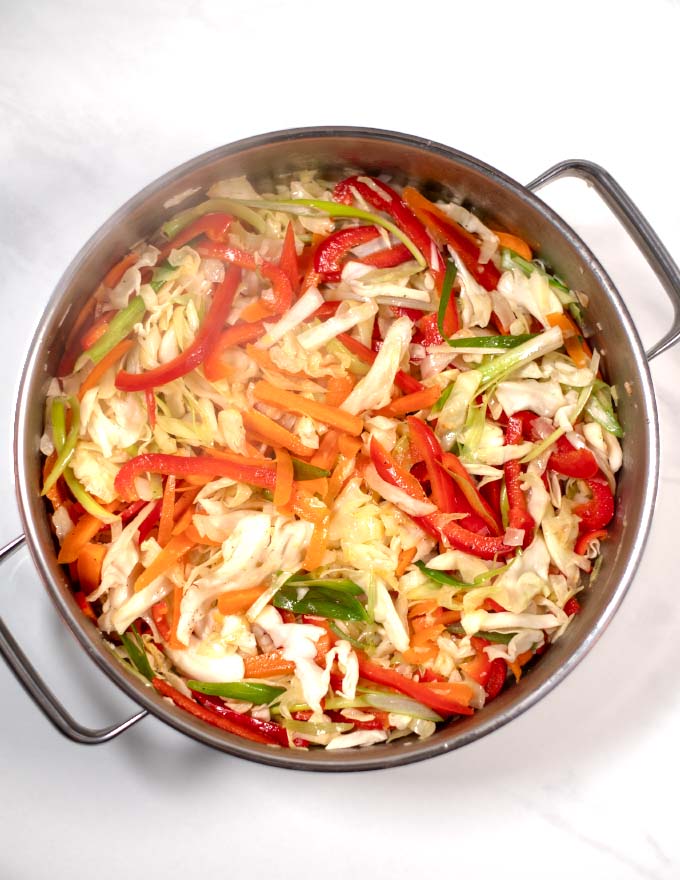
500	202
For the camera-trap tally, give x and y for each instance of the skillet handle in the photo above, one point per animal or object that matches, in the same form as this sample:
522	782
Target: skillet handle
43	697
637	226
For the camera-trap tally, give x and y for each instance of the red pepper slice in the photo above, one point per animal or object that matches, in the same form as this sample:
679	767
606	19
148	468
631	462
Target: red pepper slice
446	231
572	462
288	261
206	339
417	690
388	258
214	225
427	448
402	380
332	251
151	520
383	198
498	672
256	472
483	546
161	617
599	511
207	715
269	729
585	539
572	606
429	332
518	515
281	297
393	473
468	488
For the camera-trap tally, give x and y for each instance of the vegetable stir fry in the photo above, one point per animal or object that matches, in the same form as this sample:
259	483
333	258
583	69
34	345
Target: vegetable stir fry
329	462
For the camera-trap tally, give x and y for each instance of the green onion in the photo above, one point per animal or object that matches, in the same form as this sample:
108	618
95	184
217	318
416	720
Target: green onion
134	647
314	728
333	209
499	638
248	691
600	408
65	445
302	470
355	643
344	585
501	342
447	289
443	397
324	602
503	364
162	274
61	443
119	327
233	206
441	578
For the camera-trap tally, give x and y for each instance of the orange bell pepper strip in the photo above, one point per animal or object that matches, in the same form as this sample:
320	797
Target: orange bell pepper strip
289	401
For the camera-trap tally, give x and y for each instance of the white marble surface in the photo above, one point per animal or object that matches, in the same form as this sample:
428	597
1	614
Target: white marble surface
96	99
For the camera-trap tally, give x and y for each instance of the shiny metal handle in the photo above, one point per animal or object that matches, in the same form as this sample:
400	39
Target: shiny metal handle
43	697
637	226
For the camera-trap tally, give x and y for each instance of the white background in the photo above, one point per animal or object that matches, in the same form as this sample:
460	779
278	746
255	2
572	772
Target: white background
96	100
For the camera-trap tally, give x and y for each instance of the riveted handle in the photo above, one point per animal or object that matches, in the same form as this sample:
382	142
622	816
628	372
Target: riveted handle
45	700
635	224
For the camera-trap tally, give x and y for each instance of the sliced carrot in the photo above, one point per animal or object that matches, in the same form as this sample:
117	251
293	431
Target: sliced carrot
576	346
514	243
263	359
306	506
116	272
193	535
267	665
167	519
317	545
173	641
183	522
344	468
404	560
421	654
216	365
327	452
89	566
96	331
257	311
424	632
338	389
54	494
94	376
289	401
521	660
187	498
284	478
83	531
409	403
170	555
236	601
273	433
427	606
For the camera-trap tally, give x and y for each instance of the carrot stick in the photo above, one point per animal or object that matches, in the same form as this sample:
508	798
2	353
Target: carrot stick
427	606
412	402
289	401
273	433
116	272
318	544
452	690
96	331
94	376
284	478
187	499
183	522
83	531
216	365
405	559
257	311
89	566
327	452
173	551
576	346
514	243
173	641
263	359
338	389
267	665
236	601
167	519
54	494
193	535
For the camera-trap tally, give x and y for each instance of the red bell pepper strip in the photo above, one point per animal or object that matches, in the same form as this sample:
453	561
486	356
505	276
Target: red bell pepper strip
281	297
598	512
446	231
204	342
383	198
215	226
402	380
388	258
161	617
327	310
468	488
210	717
150	398
498	672
572	462
288	261
151	520
417	690
491	674
380	720
585	539
393	473
572	606
269	729
329	255
256	472
429	332
427	448
518	515
483	546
